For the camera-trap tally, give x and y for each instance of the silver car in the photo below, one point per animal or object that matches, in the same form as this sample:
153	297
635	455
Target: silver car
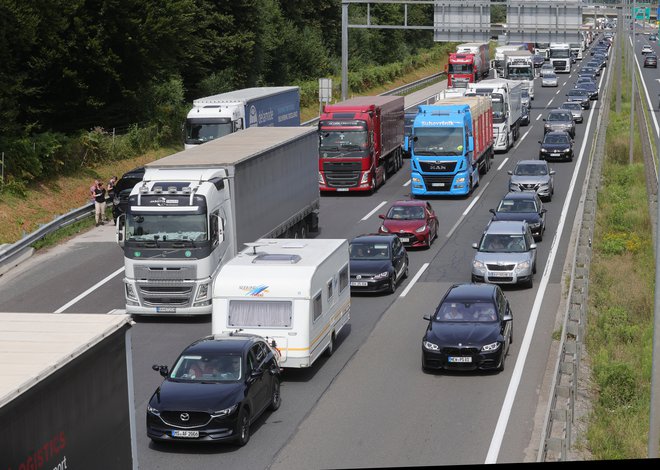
506	254
575	108
549	79
533	175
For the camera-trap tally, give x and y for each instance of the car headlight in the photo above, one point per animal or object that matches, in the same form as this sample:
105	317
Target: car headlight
383	275
225	412
522	266
513	187
421	229
566	150
490	347
383	229
430	346
544	150
476	264
153	411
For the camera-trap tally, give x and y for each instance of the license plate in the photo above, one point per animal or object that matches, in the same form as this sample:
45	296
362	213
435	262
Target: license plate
359	283
438	184
188	434
500	274
554	154
459	359
342	189
404	240
166	309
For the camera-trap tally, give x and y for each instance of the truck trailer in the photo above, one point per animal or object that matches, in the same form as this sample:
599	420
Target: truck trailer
66	391
195	209
294	293
360	143
520	67
452	146
506	97
218	115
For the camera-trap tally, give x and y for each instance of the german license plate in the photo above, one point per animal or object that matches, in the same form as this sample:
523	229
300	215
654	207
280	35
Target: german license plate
405	240
499	274
342	189
358	283
166	309
438	184
459	359
187	434
554	154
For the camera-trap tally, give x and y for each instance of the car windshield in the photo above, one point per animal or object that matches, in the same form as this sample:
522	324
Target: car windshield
405	213
550	76
530	169
369	251
559	117
572	106
517	206
502	243
207	367
556	139
466	311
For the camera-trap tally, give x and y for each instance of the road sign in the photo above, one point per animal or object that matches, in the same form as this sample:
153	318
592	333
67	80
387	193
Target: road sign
642	13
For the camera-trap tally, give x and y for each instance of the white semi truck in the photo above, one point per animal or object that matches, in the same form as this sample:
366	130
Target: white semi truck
560	57
194	210
506	97
520	67
500	60
218	115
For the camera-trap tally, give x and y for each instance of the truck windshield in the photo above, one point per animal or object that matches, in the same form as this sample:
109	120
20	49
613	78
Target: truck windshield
439	141
517	72
497	101
166	227
560	53
343	140
460	68
199	132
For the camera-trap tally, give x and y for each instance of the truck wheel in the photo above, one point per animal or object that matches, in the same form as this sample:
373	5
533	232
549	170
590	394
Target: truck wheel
303	230
382	183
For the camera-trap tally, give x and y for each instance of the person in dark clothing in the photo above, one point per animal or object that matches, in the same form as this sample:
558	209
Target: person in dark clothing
99	203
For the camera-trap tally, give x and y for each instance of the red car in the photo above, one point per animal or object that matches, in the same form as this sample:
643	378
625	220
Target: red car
414	222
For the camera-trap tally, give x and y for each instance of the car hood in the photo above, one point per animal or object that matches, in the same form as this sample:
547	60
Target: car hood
464	333
530	217
193	396
369	267
398	225
529	179
502	257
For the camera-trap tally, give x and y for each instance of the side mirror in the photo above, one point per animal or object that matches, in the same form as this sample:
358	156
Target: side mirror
492	211
540	141
507	317
543	211
509	172
381	216
120	232
552	172
475	246
532	246
256	373
427	317
162	370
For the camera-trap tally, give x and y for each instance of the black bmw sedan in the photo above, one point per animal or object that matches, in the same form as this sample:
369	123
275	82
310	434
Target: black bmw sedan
378	263
556	145
470	329
218	387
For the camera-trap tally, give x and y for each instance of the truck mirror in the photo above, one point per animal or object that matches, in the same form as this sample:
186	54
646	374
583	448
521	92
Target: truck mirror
238	124
470	144
221	229
120	230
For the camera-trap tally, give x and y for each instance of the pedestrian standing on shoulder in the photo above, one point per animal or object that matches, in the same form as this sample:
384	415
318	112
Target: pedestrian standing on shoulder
92	190
99	203
111	188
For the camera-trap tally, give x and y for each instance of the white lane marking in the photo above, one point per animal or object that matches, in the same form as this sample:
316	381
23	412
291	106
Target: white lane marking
465	212
407	183
539	116
550	102
557	92
504	162
521	139
88	291
507	406
374	211
414	279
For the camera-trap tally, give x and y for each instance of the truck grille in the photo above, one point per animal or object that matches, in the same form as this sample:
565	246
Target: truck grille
165	273
447	167
559	64
154	294
342	174
195	418
438	183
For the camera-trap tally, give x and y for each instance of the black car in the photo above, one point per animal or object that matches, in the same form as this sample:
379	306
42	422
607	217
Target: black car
592	88
218	386
651	61
123	189
525	206
378	262
559	120
524	120
593	70
556	145
580	95
538	60
470	329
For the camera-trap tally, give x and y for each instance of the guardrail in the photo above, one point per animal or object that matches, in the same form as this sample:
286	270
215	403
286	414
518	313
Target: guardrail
11	253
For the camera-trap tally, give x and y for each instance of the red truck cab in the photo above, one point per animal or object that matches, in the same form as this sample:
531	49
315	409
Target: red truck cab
360	143
461	69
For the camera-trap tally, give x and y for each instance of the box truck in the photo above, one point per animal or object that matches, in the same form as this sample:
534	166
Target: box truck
295	293
218	115
560	57
452	146
360	143
499	61
66	391
520	67
194	209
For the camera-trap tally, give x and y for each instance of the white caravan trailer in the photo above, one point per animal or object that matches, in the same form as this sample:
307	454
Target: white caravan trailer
293	292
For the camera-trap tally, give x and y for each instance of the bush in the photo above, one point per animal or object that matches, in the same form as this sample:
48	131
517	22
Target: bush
618	387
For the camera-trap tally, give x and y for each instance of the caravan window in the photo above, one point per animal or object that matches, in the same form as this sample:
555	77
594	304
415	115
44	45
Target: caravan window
260	313
343	279
330	292
317	307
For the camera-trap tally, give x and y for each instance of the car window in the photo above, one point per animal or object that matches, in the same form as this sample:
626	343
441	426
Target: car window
530	169
367	250
466	311
556	139
207	367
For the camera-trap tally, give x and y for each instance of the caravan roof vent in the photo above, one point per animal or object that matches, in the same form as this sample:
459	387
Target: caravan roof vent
294	244
276	258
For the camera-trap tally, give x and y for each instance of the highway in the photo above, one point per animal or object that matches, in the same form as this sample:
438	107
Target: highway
368	405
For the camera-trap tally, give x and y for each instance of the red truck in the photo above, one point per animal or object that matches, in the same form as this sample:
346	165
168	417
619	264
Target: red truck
360	143
469	64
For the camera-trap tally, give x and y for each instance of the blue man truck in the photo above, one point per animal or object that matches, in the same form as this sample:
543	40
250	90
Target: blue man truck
452	146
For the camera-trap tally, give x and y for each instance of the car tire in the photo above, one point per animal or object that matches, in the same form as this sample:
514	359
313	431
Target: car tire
539	239
392	285
500	367
275	396
534	265
405	271
243	428
530	284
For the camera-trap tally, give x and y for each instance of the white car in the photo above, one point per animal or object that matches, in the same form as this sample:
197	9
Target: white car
549	79
646	49
547	68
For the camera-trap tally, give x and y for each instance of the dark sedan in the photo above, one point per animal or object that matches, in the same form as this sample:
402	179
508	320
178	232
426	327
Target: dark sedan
525	206
470	329
580	95
219	385
651	61
378	263
592	88
556	146
538	60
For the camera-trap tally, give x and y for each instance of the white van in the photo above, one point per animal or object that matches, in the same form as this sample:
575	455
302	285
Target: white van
293	292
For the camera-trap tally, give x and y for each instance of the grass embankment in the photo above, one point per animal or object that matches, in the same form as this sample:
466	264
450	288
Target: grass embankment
621	300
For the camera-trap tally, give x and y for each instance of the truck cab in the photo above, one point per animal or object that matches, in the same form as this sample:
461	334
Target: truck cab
560	57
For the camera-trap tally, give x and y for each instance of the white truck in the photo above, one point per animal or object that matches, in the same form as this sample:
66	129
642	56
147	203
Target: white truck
560	57
294	293
218	115
577	48
506	97
195	209
520	67
500	60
